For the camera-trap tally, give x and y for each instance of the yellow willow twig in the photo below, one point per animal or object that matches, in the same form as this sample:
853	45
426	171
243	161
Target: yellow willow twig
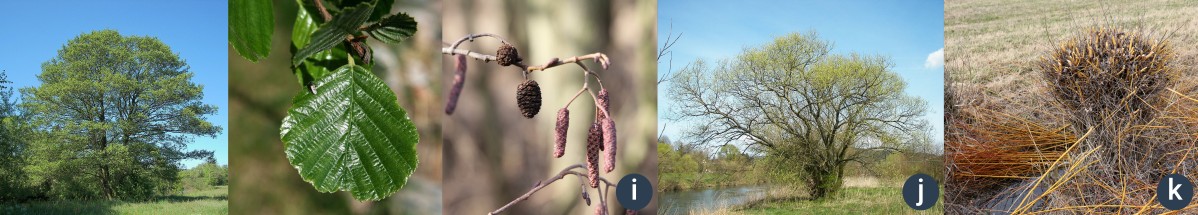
1023	203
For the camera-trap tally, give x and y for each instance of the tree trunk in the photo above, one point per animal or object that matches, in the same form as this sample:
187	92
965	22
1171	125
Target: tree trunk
105	176
825	180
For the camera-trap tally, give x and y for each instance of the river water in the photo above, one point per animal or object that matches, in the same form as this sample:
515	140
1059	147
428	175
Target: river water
682	202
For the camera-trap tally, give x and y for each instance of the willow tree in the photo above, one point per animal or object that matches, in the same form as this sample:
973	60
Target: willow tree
810	112
114	115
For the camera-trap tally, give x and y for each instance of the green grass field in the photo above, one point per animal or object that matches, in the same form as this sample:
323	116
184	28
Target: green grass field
850	200
213	201
853	200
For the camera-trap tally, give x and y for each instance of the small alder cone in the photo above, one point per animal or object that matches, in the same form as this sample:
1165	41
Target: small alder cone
593	142
559	132
609	140
528	98
508	55
459	80
586	197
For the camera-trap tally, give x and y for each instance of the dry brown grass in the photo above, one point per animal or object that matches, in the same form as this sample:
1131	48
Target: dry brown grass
1070	141
991	46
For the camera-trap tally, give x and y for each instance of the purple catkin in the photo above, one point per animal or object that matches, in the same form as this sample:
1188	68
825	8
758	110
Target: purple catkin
559	132
600	132
593	143
609	142
604	103
459	80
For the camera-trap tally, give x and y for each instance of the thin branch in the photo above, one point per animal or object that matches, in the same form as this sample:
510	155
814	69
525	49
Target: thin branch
671	39
468	53
356	42
597	57
323	12
567	171
471	38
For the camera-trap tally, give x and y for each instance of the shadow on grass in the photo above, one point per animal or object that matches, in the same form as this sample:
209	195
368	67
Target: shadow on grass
177	198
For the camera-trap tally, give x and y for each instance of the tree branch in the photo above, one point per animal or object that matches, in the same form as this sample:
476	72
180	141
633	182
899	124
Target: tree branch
357	43
542	184
554	62
323	12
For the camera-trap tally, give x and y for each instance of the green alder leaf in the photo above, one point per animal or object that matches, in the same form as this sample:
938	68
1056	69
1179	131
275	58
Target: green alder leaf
250	24
381	8
332	33
351	135
318	64
301	31
393	29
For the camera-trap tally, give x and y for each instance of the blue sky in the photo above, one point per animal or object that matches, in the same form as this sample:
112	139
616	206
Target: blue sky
34	31
906	31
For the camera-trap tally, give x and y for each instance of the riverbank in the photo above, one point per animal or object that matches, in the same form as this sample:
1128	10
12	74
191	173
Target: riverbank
674	182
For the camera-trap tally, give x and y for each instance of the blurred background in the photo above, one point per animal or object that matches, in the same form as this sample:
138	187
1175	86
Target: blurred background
262	181
494	154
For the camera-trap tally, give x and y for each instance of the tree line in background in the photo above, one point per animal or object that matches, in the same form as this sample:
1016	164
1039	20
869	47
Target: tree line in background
687	166
111	120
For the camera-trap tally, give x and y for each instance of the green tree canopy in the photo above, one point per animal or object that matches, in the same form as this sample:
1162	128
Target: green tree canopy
12	145
114	115
810	111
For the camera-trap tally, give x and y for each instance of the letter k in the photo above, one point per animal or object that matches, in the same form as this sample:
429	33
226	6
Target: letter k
1173	190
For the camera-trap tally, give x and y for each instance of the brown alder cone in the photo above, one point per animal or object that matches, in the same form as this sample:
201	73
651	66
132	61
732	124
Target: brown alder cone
593	154
609	142
559	132
507	55
528	98
459	80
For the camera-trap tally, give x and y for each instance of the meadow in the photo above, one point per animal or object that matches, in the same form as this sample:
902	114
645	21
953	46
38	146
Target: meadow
991	46
211	201
850	200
